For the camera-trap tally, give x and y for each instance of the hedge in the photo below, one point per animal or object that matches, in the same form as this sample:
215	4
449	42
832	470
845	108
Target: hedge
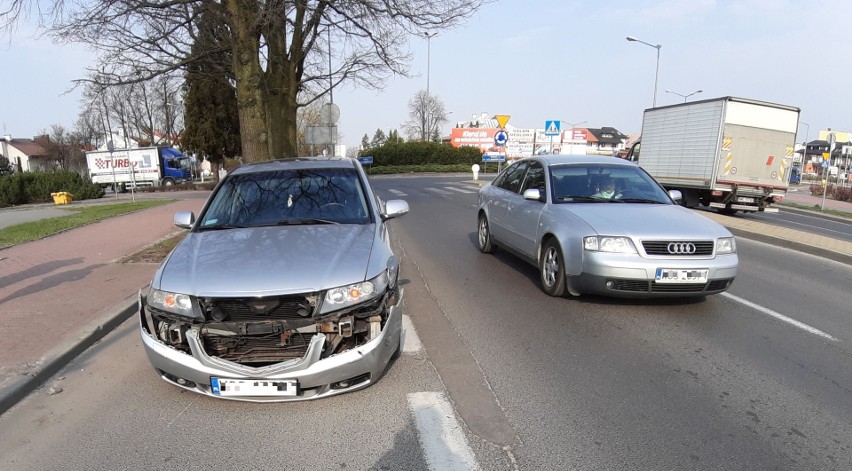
36	187
423	153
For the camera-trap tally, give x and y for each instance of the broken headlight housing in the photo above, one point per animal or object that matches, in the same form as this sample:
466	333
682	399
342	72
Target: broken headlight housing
175	303
356	293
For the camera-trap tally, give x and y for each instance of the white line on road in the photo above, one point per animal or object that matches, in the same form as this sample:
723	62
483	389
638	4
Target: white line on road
460	190
439	191
410	340
780	317
398	193
440	434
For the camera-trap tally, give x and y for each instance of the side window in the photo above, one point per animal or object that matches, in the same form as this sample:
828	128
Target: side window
514	177
535	178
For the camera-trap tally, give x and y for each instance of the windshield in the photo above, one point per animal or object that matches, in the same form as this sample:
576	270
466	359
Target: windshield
288	197
600	183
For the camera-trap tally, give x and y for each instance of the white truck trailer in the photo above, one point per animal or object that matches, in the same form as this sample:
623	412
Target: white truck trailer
732	154
152	166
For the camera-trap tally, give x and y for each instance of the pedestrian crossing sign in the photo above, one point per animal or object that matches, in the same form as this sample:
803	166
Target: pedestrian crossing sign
551	128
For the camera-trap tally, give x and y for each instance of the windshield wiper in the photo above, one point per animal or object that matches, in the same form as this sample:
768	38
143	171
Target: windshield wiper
304	221
580	199
641	200
220	227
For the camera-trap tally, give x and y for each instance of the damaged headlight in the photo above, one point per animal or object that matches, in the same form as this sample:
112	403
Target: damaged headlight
175	303
356	293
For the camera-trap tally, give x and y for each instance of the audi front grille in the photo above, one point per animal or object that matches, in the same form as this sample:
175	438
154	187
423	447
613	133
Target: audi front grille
679	248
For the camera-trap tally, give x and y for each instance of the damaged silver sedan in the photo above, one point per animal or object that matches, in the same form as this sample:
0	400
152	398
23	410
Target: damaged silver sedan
285	287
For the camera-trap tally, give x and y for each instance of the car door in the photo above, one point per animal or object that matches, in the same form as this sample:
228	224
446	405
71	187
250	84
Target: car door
523	215
504	191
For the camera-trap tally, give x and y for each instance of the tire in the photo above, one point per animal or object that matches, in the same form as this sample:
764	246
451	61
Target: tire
551	268
483	236
168	182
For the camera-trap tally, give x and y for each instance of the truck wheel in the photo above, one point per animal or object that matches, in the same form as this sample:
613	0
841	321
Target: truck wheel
168	182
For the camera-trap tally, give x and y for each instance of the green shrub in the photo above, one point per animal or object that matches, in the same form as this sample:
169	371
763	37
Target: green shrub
36	187
423	153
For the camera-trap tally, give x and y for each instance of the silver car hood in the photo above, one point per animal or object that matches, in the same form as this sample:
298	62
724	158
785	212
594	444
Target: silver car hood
646	220
268	260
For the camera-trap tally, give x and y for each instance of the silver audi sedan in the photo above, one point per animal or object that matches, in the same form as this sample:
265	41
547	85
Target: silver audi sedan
602	225
284	288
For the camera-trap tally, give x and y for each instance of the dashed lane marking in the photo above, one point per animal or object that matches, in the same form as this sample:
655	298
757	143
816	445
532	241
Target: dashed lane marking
460	190
398	193
438	190
410	340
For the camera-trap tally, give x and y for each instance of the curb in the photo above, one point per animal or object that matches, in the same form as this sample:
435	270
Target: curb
61	355
790	244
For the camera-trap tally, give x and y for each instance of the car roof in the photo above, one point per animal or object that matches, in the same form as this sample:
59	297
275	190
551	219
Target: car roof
558	159
296	163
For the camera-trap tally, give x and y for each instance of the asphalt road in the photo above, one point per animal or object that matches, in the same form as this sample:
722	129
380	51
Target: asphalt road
757	378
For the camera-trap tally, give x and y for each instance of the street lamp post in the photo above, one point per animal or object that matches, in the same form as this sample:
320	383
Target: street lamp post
428	36
657	73
682	95
804	149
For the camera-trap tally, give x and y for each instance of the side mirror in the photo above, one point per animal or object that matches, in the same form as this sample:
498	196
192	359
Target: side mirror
676	195
533	194
394	208
184	219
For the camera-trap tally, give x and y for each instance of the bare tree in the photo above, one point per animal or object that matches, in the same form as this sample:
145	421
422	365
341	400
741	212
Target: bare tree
285	53
426	114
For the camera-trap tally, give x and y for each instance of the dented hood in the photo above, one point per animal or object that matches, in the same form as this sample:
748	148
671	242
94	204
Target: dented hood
268	260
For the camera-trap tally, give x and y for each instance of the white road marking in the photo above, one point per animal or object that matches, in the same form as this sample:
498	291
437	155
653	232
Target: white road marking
398	193
440	434
780	317
410	340
460	190
439	191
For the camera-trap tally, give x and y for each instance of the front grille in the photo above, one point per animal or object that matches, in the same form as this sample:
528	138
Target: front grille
702	248
717	285
677	288
257	350
253	309
630	285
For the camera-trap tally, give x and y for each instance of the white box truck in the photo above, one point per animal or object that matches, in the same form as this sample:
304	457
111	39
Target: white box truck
152	166
732	154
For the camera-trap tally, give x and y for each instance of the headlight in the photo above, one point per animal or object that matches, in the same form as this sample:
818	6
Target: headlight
609	244
725	245
170	302
350	295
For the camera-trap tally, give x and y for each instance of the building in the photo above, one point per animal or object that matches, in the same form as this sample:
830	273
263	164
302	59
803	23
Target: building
25	155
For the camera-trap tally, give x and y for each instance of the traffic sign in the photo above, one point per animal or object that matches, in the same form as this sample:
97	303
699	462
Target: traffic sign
502	120
493	157
367	159
551	128
501	138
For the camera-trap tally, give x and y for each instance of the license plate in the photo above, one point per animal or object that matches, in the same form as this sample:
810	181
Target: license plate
253	387
676	275
743	199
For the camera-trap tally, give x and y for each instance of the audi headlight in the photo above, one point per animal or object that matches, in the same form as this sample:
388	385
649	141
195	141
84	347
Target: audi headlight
356	293
725	245
608	244
167	301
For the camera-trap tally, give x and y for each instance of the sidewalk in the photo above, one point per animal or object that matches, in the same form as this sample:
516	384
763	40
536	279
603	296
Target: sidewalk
59	295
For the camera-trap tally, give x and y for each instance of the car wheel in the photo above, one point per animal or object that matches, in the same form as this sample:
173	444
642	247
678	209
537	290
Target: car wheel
552	269
486	245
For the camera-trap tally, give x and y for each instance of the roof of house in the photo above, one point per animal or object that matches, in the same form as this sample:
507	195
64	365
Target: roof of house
607	135
28	147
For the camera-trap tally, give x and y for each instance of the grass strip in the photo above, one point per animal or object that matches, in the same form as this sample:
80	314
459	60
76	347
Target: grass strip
81	215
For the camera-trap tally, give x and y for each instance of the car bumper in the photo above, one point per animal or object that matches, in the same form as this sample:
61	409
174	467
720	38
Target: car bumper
347	371
622	275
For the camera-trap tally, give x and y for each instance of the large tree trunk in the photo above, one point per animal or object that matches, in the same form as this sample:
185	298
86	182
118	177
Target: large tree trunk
251	87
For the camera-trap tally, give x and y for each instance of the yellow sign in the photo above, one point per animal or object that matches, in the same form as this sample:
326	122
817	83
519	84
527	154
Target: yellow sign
825	155
502	120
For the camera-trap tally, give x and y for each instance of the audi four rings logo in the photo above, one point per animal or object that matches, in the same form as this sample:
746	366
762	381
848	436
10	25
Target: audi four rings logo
681	248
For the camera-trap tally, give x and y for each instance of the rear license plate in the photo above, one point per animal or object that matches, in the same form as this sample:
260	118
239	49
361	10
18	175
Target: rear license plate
744	199
253	387
676	275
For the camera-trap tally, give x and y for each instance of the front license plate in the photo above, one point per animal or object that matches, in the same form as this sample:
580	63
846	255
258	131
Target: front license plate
253	387
676	275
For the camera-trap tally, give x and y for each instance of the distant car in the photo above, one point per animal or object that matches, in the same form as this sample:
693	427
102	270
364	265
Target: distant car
635	242
285	287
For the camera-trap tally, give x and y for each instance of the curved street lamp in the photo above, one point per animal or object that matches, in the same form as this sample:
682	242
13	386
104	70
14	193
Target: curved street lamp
657	73
682	95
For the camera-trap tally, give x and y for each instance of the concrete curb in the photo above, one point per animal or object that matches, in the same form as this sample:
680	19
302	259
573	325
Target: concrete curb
791	244
61	355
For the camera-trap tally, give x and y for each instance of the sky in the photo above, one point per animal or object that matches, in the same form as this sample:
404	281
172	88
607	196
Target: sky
546	60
